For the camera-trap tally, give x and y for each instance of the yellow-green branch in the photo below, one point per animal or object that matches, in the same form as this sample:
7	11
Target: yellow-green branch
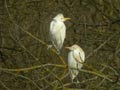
31	68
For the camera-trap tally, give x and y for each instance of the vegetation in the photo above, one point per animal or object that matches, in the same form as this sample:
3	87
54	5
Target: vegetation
25	62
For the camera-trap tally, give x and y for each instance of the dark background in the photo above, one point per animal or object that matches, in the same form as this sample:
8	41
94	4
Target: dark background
25	62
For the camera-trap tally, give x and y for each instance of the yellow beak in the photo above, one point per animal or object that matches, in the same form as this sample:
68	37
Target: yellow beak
65	19
67	48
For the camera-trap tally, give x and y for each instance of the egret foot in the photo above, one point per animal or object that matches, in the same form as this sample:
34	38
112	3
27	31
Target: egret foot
77	81
49	46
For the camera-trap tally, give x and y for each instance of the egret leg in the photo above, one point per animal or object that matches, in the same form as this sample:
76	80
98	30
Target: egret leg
58	52
72	81
77	83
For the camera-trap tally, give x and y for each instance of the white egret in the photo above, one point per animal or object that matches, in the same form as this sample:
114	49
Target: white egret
76	57
58	31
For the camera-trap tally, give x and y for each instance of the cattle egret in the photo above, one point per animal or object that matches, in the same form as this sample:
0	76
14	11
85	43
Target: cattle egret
58	31
76	57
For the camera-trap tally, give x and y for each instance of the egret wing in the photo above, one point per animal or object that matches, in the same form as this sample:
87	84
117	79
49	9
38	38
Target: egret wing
56	34
79	56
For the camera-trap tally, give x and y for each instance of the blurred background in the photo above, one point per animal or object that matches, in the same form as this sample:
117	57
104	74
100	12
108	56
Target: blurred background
25	62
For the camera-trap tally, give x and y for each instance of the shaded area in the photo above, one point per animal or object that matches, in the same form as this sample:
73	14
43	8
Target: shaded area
25	62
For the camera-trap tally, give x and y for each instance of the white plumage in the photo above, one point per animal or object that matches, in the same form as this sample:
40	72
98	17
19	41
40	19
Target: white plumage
76	57
58	31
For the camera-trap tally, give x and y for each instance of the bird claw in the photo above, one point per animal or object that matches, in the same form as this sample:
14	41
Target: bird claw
49	46
58	52
77	81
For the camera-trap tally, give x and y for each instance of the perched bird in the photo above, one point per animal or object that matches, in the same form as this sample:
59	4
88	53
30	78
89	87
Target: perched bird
76	57
58	31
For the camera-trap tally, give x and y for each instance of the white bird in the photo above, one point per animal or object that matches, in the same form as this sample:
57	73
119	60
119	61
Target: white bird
58	31
76	57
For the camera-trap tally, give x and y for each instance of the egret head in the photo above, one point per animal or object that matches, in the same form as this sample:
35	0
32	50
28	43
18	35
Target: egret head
73	47
61	18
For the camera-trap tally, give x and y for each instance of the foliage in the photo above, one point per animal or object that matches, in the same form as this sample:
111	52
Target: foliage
25	62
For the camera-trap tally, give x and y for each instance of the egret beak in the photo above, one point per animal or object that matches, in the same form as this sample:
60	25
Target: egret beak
67	48
65	19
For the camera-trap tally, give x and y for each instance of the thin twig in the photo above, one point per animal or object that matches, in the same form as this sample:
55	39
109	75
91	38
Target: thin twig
4	85
101	45
30	68
24	78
